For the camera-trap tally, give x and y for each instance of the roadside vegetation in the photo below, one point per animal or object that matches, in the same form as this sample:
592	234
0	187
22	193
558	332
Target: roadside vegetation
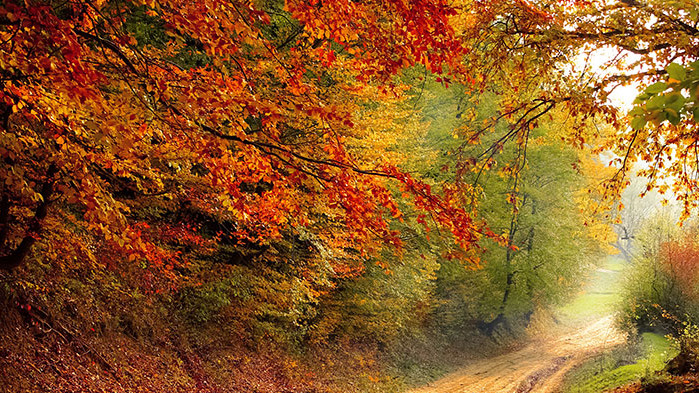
656	306
328	196
640	359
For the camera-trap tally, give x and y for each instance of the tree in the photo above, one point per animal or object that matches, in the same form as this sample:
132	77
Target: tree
671	110
549	245
632	217
536	205
238	111
531	45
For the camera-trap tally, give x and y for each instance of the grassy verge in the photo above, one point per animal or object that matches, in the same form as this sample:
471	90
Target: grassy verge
621	365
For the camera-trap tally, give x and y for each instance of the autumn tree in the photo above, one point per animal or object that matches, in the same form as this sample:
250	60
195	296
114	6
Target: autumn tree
652	290
181	136
237	111
535	205
538	52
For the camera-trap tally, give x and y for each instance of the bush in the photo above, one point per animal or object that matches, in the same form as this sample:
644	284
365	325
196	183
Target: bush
201	304
659	294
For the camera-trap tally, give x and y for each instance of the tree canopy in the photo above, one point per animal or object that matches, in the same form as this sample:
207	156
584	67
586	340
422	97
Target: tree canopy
309	171
249	111
244	112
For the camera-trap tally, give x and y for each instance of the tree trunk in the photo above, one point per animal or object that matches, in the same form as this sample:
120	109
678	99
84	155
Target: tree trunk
17	256
500	319
4	218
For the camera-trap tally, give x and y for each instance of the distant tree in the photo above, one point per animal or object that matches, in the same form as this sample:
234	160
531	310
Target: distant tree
633	215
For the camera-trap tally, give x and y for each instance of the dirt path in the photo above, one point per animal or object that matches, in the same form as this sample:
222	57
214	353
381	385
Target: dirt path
537	368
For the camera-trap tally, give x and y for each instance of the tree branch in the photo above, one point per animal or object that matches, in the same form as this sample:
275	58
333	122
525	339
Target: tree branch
109	45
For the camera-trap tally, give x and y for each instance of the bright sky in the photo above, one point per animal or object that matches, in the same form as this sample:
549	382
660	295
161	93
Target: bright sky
622	97
597	62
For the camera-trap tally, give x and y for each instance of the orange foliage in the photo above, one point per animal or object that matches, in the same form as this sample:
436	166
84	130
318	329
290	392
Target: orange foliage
253	133
681	259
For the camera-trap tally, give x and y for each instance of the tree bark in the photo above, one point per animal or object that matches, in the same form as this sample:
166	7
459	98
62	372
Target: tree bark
4	218
19	254
509	278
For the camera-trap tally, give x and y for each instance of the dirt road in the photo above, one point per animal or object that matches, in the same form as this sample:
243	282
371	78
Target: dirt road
537	368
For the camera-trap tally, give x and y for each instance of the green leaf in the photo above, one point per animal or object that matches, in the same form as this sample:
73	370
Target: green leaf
638	122
656	102
672	116
641	98
676	71
674	101
654	117
657	87
637	110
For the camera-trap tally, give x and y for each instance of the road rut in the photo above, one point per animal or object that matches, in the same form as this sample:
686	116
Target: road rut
539	367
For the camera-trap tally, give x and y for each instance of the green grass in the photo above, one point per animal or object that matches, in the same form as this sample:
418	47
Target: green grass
615	264
621	365
600	295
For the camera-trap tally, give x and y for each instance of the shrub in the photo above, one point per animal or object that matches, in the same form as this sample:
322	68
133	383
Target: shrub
659	292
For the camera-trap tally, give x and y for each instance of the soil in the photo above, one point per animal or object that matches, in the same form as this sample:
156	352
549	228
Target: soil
539	367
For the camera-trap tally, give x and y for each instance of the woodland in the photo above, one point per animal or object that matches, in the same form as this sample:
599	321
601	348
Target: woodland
336	195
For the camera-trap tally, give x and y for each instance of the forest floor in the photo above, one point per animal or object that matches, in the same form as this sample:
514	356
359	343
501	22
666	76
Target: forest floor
540	366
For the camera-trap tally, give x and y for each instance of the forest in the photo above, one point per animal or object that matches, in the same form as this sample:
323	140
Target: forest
361	196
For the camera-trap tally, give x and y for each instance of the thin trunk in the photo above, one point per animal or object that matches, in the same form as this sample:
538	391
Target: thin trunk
530	235
4	218
509	254
509	278
19	254
530	248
